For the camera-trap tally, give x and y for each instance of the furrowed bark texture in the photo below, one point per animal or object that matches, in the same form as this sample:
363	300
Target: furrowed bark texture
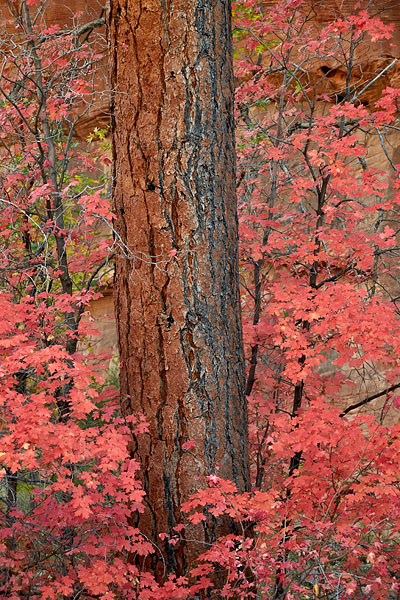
178	314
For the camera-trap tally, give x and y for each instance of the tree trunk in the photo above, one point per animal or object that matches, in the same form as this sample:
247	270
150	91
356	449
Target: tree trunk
177	298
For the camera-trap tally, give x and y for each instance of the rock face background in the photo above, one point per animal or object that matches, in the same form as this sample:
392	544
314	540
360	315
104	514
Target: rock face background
63	13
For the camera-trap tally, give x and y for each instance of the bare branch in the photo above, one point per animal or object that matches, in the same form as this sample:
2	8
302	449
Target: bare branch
370	399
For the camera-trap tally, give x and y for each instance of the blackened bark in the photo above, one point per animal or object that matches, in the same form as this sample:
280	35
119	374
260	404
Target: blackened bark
177	300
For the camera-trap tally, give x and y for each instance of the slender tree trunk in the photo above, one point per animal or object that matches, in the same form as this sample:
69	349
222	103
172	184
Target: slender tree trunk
177	299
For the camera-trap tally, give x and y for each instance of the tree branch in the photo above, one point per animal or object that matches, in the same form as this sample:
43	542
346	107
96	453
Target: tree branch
370	399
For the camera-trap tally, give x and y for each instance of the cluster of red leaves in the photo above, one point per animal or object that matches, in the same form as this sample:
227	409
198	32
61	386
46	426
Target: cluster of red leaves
69	485
330	530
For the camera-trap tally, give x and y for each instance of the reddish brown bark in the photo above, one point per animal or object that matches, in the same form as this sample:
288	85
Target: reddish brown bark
174	191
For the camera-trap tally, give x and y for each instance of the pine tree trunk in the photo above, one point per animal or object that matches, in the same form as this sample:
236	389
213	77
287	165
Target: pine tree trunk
177	298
